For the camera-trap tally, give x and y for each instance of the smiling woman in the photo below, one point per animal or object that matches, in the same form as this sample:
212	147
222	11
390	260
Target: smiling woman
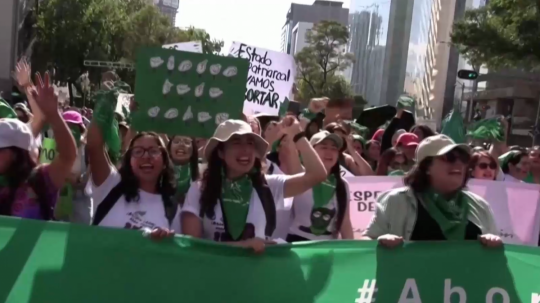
235	202
434	205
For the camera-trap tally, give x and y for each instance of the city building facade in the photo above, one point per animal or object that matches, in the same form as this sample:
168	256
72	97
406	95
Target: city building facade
302	17
169	8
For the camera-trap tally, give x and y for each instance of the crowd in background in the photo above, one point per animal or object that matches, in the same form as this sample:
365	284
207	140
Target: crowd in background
257	181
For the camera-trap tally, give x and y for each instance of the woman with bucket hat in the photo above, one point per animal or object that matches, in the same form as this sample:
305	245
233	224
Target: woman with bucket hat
434	205
235	202
322	213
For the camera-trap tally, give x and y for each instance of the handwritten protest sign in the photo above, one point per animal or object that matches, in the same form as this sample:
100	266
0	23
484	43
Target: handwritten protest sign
193	47
48	151
183	93
270	80
515	205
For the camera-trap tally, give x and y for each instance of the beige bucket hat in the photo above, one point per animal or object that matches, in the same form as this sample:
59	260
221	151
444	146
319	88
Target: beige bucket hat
226	130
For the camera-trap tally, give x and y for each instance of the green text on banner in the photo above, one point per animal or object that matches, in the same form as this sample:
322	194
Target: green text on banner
48	151
63	263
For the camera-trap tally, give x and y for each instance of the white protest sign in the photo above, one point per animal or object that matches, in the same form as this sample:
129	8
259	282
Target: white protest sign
123	100
270	78
515	206
192	47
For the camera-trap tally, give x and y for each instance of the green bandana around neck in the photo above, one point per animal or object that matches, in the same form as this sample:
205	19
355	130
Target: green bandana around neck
450	214
236	196
322	195
182	174
76	132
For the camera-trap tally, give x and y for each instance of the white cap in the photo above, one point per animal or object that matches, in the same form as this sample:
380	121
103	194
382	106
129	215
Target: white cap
438	145
15	133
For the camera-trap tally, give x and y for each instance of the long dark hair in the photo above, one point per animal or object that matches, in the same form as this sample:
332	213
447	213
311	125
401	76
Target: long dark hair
342	197
515	158
213	178
193	158
18	173
166	185
424	129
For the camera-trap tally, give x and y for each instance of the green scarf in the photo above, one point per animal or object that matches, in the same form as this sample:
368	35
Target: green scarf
236	196
182	174
76	132
105	105
6	111
3	181
450	214
322	194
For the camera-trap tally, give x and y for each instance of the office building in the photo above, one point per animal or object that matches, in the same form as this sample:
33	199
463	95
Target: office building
168	8
16	38
379	37
302	17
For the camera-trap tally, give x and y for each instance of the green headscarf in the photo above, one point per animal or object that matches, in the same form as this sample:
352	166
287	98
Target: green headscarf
182	174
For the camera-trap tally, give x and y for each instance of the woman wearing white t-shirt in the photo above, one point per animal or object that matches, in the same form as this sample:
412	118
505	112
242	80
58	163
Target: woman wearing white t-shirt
139	195
234	183
322	213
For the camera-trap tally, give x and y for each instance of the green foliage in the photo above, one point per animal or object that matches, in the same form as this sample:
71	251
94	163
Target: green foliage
504	33
209	45
71	31
319	63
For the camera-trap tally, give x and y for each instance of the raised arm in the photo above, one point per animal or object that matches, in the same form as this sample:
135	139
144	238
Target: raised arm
315	172
60	168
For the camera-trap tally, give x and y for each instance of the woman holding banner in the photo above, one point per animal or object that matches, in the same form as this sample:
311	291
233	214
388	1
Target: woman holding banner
26	189
434	204
322	212
235	202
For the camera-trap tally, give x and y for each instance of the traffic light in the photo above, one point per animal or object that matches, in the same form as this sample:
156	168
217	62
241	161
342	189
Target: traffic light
467	74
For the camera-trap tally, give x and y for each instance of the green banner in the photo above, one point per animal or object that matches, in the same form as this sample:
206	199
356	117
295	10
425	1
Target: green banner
63	263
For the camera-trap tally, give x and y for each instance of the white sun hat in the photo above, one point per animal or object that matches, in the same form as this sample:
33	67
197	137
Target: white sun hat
227	129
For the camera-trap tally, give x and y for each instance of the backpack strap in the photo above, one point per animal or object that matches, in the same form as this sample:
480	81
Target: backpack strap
171	210
107	204
269	206
36	182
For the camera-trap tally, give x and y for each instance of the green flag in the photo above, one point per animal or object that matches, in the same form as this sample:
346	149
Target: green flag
487	130
284	107
454	127
405	101
66	263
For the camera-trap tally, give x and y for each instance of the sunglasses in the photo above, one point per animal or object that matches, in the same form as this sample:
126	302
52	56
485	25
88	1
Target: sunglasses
456	155
485	166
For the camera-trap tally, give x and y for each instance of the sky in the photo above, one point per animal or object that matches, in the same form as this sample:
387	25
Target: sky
254	22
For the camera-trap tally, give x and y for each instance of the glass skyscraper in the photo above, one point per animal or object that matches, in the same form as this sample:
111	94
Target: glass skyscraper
368	22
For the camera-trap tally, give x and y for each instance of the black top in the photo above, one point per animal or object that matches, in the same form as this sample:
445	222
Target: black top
427	229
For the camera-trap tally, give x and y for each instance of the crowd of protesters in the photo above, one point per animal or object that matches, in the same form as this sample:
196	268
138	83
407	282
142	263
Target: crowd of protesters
257	181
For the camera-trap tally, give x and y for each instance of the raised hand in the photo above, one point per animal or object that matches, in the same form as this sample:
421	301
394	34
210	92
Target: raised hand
22	73
290	126
44	94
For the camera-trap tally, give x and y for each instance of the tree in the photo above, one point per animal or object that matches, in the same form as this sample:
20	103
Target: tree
504	33
320	62
71	31
209	46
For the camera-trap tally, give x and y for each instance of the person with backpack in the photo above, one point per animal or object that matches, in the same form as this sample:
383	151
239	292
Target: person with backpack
138	195
29	190
322	212
235	202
